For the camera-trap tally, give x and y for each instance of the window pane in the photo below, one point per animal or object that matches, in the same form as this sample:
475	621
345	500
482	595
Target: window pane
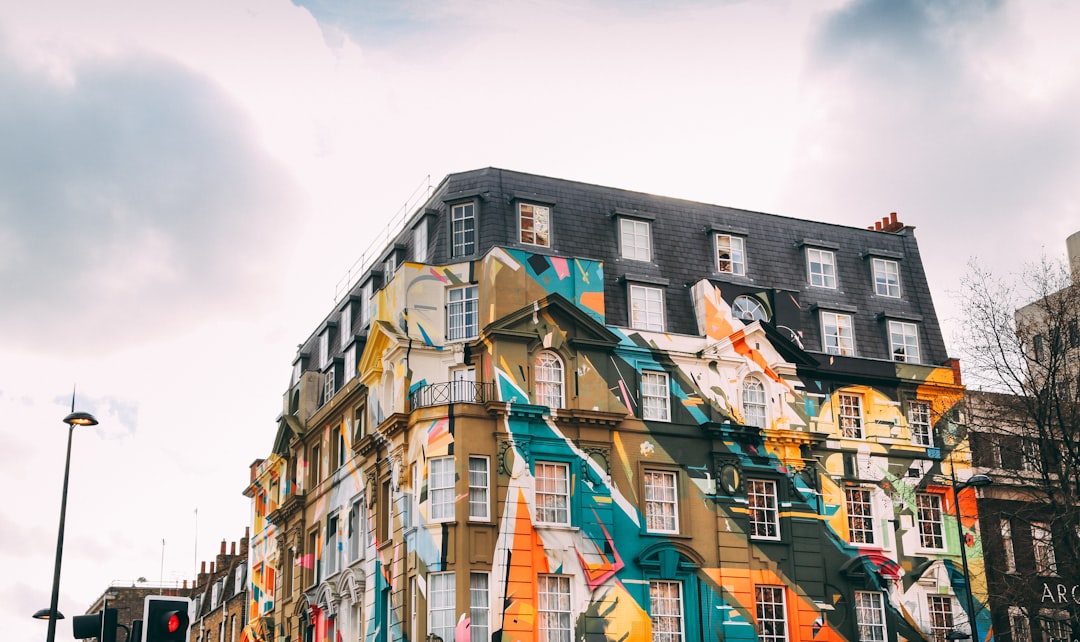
478	488
730	256
666	609
441	605
753	398
534	224
461	313
919	421
635	240
479	610
870	616
904	341
930	524
821	267
463	230
851	419
771	614
655	396
860	516
441	488
549	380
886	277
552	493
553	608
646	308
661	502
838	333
764	515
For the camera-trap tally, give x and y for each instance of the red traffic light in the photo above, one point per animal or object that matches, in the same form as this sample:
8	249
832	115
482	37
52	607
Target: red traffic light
165	619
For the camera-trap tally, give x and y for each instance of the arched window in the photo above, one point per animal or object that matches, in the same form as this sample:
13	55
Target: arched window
753	402
549	379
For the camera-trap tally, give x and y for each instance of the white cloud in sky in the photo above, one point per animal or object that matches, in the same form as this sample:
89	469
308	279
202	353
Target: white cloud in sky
183	184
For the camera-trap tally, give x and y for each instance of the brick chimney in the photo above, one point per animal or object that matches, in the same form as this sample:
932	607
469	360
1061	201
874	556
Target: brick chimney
887	224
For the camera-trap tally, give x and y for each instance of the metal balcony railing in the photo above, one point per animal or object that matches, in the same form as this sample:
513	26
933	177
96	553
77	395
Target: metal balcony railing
436	394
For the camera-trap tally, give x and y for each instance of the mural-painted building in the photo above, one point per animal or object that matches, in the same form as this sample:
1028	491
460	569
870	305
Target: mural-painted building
555	411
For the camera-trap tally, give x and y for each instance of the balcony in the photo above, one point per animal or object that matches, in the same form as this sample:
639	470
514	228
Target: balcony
437	394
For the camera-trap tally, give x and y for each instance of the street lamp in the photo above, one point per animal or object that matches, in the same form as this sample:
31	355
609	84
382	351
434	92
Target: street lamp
975	481
53	614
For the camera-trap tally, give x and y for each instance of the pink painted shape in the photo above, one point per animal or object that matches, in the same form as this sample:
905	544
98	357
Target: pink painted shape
561	267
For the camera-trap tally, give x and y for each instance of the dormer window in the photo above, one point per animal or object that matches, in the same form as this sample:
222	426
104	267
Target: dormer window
346	324
730	254
324	348
534	224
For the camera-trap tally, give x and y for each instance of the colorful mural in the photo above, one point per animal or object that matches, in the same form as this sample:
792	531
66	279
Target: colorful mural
579	481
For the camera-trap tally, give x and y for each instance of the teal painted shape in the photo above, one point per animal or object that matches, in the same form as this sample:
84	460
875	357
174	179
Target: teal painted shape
580	277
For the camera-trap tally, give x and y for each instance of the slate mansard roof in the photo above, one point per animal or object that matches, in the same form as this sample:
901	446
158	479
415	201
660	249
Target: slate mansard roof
584	222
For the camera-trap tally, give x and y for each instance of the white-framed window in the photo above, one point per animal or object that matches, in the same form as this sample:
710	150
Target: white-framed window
329	384
420	242
886	277
753	403
552	480
332	552
920	424
821	267
941	616
324	348
931	523
461	313
655	396
730	254
479	488
390	266
851	416
350	363
764	509
356	533
646	308
635	239
661	502
838	334
1019	625
904	341
463	386
553	608
346	325
666	611
1007	545
342	448
771	608
870	616
441	489
1042	548
441	607
749	309
479	608
365	303
860	515
548	369
534	224
463	229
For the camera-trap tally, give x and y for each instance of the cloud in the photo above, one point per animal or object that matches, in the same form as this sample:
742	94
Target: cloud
133	201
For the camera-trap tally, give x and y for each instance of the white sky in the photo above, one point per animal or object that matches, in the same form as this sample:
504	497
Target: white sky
182	184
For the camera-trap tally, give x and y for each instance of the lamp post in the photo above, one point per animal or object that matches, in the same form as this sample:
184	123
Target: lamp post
975	481
53	614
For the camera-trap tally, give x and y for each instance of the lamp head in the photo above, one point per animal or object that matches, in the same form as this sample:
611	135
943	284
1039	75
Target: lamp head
46	614
978	481
80	419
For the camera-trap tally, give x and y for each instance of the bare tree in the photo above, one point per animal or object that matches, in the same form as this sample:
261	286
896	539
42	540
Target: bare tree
1021	345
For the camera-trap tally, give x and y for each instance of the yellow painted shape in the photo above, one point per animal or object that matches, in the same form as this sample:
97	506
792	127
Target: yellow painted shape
624	619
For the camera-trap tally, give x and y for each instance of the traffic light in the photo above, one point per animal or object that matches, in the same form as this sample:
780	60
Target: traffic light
101	625
165	619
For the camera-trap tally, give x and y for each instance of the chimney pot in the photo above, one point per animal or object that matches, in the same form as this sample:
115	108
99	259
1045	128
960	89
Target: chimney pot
222	547
892	218
877	226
